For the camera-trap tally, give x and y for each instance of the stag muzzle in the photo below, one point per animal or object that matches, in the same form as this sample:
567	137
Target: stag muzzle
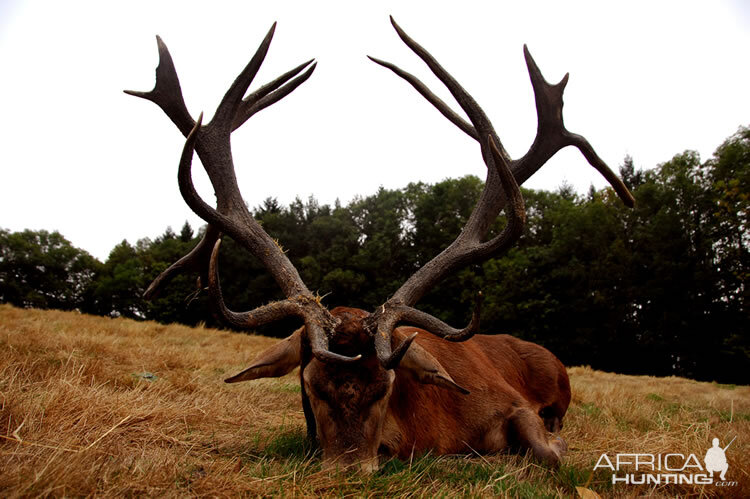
351	461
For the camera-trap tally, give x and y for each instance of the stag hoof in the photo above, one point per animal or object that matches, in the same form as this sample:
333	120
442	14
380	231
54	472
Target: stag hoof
559	446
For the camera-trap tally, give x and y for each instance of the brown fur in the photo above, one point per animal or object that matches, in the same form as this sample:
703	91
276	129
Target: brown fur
512	383
518	391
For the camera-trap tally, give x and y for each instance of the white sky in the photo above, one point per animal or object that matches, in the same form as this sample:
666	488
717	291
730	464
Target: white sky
649	79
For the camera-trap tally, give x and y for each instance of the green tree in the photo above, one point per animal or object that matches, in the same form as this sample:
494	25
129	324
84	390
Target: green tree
436	215
384	255
44	270
186	233
728	173
660	289
729	177
119	284
180	300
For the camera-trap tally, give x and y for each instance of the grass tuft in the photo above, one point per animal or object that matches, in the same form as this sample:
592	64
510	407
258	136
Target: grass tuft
654	397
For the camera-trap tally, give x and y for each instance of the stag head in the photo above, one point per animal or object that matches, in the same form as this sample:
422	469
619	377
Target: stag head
349	359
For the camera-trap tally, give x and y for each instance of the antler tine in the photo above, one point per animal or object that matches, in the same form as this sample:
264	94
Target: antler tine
479	119
594	160
193	261
316	332
245	320
225	113
439	328
297	306
492	198
388	359
272	92
552	135
167	93
433	99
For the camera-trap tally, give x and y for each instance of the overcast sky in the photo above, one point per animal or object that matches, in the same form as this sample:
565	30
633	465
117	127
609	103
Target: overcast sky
649	79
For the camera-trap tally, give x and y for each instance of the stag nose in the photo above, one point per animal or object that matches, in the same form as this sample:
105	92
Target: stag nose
366	465
369	466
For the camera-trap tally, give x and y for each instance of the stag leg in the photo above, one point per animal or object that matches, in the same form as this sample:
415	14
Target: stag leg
312	431
552	419
532	434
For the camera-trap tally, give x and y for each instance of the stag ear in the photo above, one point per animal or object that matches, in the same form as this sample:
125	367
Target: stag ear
276	361
424	367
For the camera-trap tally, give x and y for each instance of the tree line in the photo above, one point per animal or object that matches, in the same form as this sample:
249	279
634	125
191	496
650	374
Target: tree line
660	289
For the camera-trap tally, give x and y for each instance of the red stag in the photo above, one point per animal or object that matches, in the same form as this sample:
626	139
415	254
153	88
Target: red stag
368	386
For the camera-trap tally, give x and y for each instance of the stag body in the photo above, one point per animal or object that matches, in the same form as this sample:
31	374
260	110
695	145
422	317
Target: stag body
367	383
486	394
516	389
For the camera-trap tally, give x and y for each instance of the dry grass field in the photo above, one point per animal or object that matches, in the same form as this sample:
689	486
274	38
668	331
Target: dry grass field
96	406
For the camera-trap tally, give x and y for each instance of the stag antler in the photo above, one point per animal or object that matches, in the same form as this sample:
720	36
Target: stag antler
501	187
167	94
231	216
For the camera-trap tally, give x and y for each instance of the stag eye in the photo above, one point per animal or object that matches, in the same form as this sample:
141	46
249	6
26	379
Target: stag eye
320	389
375	393
313	392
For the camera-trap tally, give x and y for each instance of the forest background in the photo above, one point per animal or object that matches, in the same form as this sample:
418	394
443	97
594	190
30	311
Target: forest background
660	289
